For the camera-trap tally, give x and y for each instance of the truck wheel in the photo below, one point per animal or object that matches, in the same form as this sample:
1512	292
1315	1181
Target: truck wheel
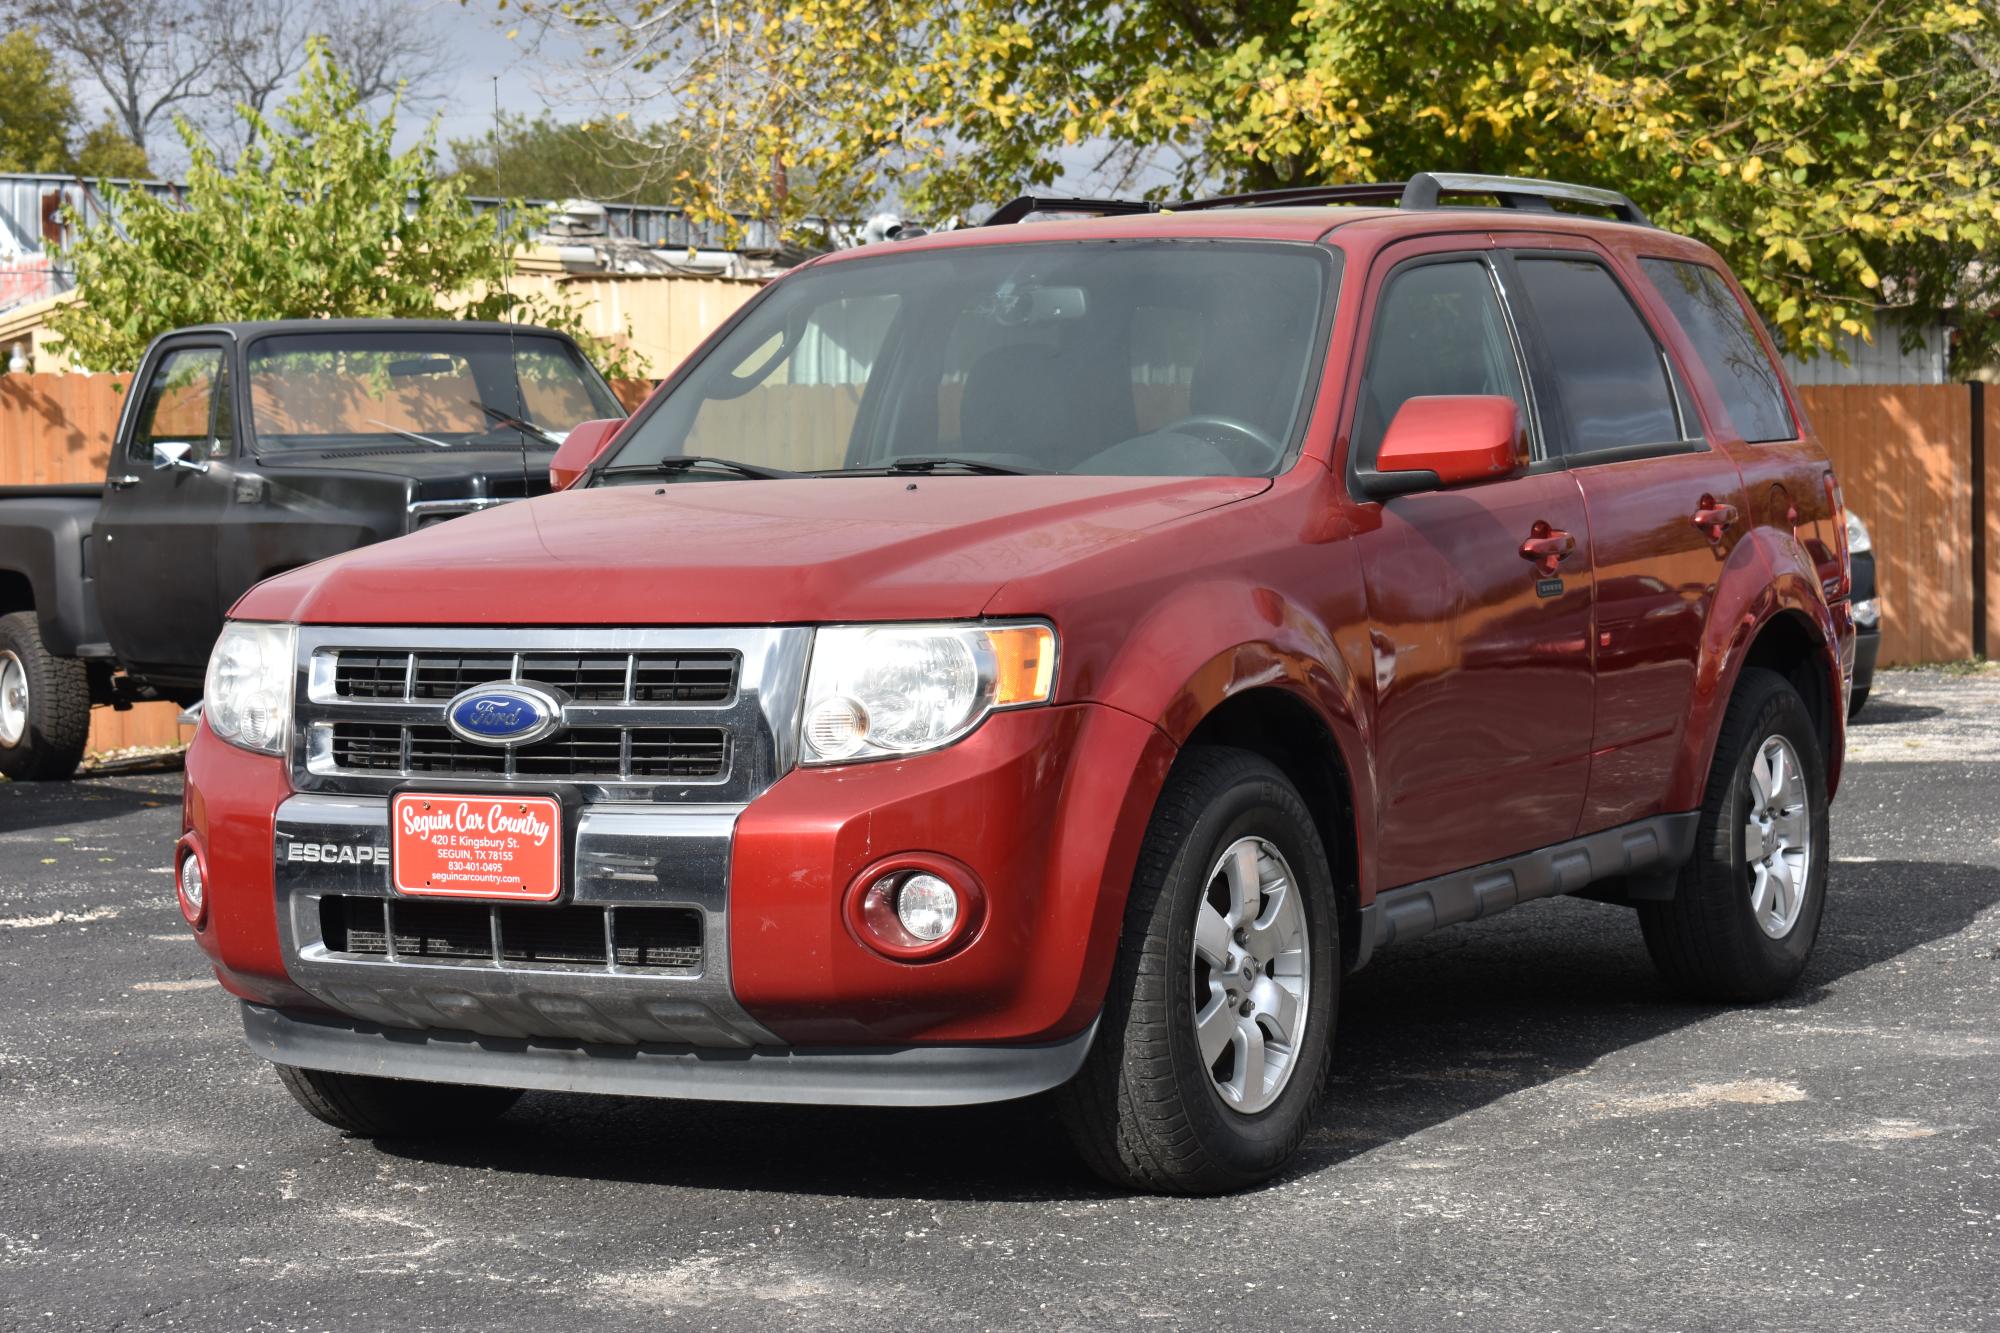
1746	911
44	705
1217	1026
393	1108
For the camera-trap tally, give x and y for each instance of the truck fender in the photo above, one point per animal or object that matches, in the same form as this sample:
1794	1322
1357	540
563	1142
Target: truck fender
42	544
1768	576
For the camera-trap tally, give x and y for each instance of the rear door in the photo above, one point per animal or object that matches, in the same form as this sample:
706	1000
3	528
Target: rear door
155	534
1482	660
1666	508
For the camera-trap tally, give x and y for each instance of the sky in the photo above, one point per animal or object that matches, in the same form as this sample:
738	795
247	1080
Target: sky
478	53
529	82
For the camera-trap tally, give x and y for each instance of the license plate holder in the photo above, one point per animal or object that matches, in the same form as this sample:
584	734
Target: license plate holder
501	847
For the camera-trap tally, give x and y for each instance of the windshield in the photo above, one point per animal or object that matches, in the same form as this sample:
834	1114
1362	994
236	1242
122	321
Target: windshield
483	389
1135	358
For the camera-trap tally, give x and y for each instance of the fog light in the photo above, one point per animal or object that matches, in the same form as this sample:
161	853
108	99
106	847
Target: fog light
916	907
927	907
1868	613
193	901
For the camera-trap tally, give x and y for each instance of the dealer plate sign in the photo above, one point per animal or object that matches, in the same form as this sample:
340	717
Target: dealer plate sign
449	846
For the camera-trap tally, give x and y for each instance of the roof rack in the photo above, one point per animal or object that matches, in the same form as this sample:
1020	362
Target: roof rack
1425	187
1027	205
1421	191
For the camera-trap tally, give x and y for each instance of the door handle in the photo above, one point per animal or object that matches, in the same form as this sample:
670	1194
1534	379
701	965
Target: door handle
1547	547
1714	519
121	483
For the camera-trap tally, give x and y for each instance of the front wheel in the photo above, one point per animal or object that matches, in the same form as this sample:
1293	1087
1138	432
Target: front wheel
44	705
1219	1020
1745	914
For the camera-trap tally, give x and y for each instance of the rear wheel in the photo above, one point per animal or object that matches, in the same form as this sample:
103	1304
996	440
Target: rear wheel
1743	919
1218	1023
393	1108
44	705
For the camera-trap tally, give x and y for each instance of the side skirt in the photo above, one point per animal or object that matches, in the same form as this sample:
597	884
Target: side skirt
1648	846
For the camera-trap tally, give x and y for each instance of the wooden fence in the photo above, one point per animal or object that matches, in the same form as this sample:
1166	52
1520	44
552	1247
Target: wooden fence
1905	455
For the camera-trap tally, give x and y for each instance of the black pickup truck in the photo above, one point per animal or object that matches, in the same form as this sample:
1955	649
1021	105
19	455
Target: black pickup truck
244	450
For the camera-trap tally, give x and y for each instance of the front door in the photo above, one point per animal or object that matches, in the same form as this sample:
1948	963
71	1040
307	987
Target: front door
1666	509
1481	654
155	535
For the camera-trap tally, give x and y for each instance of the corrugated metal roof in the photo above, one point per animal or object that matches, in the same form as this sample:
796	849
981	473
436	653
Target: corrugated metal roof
26	200
1882	361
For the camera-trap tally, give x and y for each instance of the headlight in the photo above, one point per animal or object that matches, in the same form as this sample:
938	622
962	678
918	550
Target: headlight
880	690
1857	535
247	700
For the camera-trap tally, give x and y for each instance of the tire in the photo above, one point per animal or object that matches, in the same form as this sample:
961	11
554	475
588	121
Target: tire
393	1108
1146	1112
42	735
1708	940
1855	699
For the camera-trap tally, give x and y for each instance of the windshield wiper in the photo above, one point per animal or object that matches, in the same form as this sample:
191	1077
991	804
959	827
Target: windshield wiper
688	462
516	423
408	434
969	464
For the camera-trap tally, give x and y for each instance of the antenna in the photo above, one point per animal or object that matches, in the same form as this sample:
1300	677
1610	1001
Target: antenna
507	290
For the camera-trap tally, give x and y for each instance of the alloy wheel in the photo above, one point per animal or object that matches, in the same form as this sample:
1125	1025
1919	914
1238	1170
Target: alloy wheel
1777	838
1251	975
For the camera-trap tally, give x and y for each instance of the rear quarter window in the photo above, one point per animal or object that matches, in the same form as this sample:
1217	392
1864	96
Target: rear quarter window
1722	335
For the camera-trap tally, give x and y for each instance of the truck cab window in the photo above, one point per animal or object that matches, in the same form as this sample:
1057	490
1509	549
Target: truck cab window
180	406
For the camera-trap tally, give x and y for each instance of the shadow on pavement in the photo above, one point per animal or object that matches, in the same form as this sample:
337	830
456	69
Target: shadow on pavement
25	806
1885	713
1440	1028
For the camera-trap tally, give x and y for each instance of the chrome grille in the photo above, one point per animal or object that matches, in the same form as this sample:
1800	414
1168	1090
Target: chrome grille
649	715
683	678
623	754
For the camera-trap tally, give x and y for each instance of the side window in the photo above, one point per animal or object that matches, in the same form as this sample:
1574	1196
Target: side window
1609	372
1438	330
180	405
1725	340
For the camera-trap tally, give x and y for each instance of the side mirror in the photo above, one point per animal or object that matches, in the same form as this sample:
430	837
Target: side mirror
1446	440
174	454
580	448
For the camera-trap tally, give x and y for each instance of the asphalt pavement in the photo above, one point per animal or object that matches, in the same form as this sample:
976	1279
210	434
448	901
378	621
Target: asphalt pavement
1523	1132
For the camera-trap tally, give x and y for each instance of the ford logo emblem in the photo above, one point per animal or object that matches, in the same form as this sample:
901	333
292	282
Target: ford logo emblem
505	712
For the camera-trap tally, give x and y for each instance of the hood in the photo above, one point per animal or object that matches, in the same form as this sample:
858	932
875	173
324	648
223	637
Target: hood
738	552
413	462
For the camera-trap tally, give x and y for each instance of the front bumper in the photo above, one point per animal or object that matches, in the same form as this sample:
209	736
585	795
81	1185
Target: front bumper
883	1076
1045	806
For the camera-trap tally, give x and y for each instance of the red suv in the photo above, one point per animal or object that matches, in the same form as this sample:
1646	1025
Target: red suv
1053	657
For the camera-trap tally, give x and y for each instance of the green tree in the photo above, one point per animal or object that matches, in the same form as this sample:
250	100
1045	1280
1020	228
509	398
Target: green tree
540	157
106	152
320	216
38	110
1844	155
38	118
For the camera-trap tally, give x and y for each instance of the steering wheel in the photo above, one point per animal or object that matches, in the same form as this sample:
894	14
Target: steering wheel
1207	426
